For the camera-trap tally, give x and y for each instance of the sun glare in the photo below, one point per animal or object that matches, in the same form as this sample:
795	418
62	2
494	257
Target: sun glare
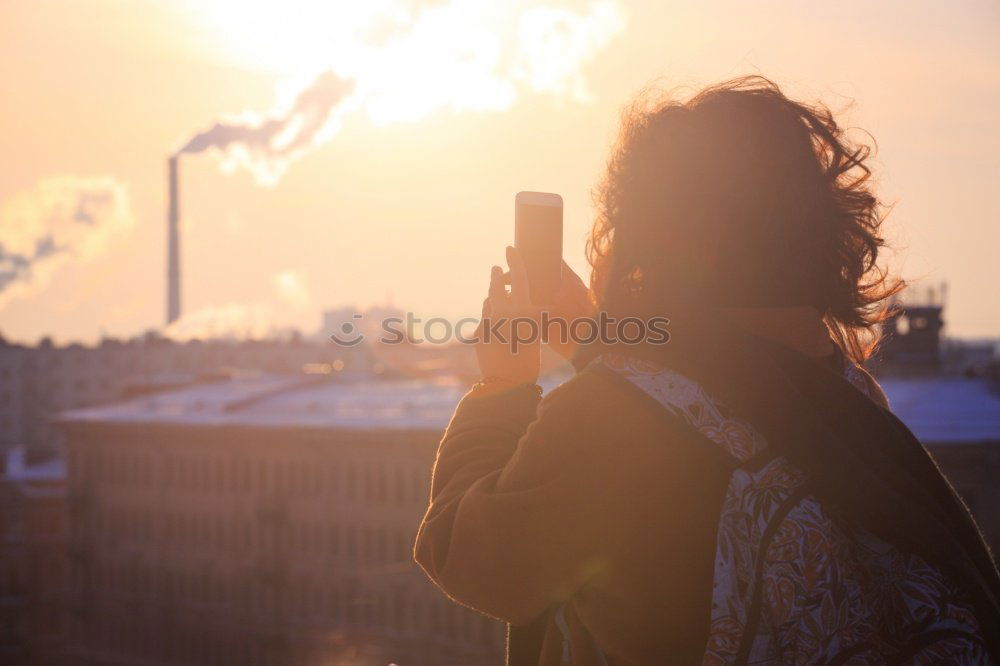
395	61
409	59
291	38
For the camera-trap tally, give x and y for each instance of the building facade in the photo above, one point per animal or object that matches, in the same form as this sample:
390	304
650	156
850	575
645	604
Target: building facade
958	420
270	520
33	538
263	522
36	383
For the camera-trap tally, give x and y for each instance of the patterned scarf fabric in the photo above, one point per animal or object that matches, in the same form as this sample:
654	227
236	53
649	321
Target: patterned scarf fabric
792	583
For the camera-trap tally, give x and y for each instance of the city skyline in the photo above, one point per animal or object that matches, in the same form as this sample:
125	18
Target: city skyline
413	198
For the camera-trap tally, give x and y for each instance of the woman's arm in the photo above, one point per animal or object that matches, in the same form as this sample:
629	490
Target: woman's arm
523	505
515	521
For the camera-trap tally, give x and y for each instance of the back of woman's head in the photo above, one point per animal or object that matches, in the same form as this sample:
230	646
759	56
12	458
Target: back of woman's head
740	197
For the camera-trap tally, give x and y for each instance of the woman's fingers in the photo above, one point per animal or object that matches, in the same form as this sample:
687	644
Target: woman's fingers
573	296
519	292
572	288
498	298
497	288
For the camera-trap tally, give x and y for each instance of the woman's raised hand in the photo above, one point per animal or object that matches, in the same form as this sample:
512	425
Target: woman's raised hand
509	334
573	301
508	346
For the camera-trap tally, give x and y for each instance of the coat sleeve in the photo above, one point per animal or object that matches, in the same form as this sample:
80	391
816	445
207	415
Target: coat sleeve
522	509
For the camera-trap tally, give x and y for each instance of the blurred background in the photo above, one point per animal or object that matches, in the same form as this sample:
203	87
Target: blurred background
194	195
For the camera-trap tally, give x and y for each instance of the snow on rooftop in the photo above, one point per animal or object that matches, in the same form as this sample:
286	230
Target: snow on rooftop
937	409
280	401
946	409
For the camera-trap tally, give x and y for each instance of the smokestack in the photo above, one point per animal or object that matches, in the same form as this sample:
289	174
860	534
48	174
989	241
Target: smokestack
173	245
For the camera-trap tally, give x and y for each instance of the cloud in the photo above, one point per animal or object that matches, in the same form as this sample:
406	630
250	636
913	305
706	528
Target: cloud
401	61
554	43
236	321
61	220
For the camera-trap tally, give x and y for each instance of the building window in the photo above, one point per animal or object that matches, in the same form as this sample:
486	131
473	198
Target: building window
351	481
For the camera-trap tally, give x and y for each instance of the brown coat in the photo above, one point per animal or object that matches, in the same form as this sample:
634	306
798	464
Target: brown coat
599	503
593	496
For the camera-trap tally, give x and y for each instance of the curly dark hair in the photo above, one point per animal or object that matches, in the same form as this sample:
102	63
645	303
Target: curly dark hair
741	197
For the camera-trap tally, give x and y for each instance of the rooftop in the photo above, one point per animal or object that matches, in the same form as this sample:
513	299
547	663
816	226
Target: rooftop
937	409
286	401
946	409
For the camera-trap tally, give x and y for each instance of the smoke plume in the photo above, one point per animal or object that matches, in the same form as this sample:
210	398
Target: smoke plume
291	307
267	145
399	61
61	219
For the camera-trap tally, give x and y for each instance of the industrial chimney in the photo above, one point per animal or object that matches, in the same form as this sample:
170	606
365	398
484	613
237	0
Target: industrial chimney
173	245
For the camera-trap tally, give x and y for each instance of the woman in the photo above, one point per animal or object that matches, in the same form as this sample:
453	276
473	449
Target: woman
741	494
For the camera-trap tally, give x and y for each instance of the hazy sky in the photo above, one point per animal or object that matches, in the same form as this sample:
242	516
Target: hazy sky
407	194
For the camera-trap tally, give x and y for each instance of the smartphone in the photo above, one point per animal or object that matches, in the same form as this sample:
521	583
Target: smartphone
538	231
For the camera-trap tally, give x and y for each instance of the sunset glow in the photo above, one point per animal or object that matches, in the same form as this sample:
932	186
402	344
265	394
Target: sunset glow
447	108
380	332
398	62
